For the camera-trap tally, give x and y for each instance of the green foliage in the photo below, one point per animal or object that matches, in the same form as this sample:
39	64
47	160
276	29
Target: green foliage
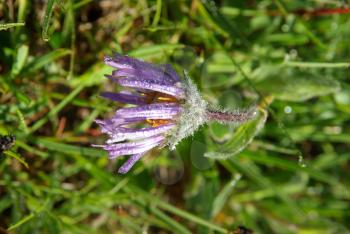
285	171
47	17
297	86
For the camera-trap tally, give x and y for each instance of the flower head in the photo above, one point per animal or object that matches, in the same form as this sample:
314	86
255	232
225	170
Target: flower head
165	109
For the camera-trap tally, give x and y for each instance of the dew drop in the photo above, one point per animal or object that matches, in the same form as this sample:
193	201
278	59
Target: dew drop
288	109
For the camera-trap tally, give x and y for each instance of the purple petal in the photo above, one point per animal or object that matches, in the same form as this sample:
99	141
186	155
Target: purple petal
111	62
125	98
139	65
129	62
121	149
171	72
150	85
131	150
141	74
110	126
122	134
150	140
117	121
130	163
105	125
151	111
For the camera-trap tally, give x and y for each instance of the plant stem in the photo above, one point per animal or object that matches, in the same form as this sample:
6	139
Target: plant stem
227	117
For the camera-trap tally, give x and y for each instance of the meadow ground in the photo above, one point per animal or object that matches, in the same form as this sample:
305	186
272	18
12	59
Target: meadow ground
287	171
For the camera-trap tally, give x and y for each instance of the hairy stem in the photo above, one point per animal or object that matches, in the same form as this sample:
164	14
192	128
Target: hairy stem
229	117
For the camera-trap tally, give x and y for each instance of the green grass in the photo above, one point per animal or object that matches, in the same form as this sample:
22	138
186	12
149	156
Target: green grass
285	172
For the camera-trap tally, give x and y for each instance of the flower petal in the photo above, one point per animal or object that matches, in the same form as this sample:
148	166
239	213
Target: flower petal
138	68
106	125
150	140
132	150
151	85
133	147
120	61
125	98
110	126
113	63
117	121
151	111
165	72
154	75
130	163
121	134
171	72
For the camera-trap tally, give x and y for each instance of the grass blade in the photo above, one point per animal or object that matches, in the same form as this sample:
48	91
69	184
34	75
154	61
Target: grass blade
10	25
47	17
22	221
17	157
48	58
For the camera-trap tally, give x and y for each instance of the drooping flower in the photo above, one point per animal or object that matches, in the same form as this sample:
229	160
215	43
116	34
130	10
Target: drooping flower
165	109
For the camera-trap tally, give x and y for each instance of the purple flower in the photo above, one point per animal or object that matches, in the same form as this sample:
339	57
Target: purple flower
165	109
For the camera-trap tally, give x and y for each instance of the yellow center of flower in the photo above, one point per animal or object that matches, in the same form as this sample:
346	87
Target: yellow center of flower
156	97
157	122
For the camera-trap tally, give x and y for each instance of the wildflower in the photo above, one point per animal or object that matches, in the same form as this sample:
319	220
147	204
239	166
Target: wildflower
165	109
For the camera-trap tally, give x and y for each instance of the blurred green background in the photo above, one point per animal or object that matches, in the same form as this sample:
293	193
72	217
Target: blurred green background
289	57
